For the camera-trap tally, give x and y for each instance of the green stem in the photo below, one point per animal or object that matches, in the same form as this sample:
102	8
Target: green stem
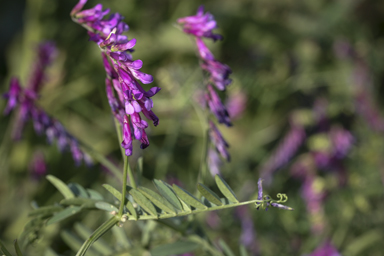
106	226
124	191
131	177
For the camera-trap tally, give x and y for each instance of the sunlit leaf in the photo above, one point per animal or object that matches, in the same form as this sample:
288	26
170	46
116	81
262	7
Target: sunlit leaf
113	191
158	200
166	191
68	212
78	190
106	206
131	209
61	186
209	194
143	202
225	189
188	198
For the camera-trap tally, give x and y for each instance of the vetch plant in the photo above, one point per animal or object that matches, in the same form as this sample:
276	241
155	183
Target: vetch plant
128	100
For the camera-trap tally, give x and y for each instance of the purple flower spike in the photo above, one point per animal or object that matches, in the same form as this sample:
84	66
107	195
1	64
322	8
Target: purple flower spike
217	107
122	72
13	95
37	166
200	25
284	151
218	141
214	162
342	141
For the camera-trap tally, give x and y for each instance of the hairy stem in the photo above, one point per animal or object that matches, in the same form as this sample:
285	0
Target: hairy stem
124	189
105	227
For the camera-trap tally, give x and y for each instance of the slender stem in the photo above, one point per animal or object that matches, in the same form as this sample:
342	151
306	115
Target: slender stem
97	234
124	190
131	177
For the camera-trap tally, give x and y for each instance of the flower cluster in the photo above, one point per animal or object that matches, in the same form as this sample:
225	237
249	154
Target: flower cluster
284	151
42	122
201	25
122	73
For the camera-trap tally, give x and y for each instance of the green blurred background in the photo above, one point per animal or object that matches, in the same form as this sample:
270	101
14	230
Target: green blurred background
283	55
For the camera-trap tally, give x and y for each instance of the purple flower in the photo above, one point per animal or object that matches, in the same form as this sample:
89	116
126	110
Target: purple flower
42	123
46	52
13	95
214	162
327	249
218	141
217	107
341	140
218	72
37	166
236	104
122	72
313	195
284	151
200	25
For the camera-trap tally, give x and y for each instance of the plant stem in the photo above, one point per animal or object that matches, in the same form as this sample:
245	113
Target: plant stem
131	177
124	189
97	234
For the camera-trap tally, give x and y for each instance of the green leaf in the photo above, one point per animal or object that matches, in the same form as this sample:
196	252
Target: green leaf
68	212
85	202
225	189
113	191
166	191
209	194
106	206
243	251
188	197
17	248
78	190
185	206
64	189
93	194
46	210
131	209
143	202
4	250
176	248
225	248
158	200
100	245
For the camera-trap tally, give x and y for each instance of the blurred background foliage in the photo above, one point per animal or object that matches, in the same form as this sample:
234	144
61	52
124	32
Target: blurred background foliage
285	56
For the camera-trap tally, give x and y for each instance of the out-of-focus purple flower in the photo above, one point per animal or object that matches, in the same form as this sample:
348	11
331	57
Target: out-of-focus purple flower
218	141
43	123
37	166
236	104
341	141
13	95
214	162
342	49
46	52
217	107
313	195
200	25
122	72
326	249
248	234
284	151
